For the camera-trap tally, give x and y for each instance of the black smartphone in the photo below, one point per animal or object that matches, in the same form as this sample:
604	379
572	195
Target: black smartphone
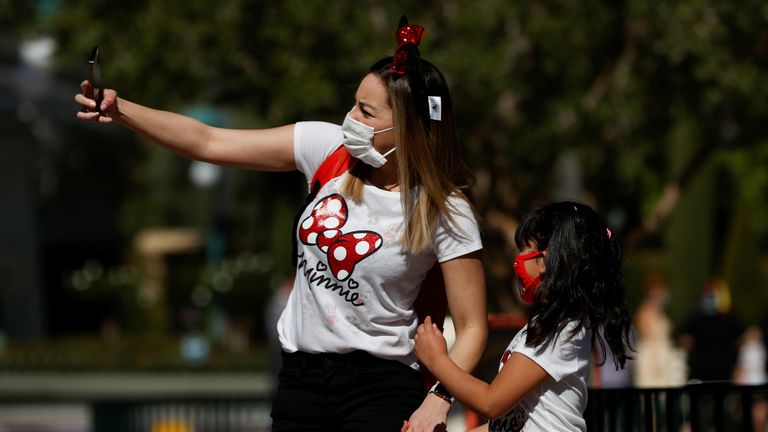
94	77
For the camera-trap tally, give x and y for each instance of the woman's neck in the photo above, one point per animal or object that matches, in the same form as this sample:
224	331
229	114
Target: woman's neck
385	177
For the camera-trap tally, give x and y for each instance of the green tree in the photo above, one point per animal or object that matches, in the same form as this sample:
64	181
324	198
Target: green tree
658	106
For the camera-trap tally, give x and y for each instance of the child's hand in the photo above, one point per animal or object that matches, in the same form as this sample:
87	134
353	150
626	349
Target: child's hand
430	343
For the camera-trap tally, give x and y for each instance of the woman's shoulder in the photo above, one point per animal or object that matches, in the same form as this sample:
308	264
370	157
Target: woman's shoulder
459	226
313	142
316	125
317	133
459	204
459	216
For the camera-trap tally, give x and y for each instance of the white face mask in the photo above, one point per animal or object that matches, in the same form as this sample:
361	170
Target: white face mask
358	139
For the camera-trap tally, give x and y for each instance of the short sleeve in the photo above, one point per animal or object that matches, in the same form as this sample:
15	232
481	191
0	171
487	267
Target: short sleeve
313	142
454	240
560	357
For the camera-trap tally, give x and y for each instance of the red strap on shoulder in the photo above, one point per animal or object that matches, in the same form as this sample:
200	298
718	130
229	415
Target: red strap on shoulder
333	166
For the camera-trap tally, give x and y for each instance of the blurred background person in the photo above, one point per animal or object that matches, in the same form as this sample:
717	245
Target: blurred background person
607	375
750	366
751	370
711	335
658	363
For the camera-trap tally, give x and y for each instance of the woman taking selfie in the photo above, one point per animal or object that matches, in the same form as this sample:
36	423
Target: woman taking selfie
390	208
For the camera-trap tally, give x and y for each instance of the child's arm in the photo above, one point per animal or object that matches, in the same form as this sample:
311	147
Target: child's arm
518	376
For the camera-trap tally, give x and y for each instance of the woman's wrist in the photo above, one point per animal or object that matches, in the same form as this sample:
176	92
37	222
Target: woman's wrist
440	391
119	115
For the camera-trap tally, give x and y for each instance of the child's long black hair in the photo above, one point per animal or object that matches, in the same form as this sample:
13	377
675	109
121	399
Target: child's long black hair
582	282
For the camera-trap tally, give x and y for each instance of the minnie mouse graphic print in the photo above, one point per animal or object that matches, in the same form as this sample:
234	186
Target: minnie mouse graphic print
355	285
322	228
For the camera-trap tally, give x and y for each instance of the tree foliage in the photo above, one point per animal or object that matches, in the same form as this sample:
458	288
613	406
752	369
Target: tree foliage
627	102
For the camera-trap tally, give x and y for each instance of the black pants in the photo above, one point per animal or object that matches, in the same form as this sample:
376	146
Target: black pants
344	392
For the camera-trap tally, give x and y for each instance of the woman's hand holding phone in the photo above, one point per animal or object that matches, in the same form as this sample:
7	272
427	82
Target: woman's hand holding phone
98	104
108	109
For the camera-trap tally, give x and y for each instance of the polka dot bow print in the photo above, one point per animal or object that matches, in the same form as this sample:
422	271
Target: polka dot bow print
323	228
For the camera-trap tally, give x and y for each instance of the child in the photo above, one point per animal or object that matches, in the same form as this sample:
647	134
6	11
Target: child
569	269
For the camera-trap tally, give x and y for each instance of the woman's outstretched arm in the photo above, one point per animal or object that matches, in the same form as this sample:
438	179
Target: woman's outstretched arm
258	149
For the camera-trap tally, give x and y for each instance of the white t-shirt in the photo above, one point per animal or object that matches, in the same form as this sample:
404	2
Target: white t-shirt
558	403
355	285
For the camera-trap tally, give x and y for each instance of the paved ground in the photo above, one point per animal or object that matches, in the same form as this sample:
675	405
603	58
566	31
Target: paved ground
50	402
76	418
59	417
56	402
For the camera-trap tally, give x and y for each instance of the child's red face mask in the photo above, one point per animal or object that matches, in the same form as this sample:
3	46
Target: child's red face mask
525	282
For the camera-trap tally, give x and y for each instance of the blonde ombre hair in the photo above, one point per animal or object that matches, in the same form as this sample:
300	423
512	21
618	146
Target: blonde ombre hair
429	163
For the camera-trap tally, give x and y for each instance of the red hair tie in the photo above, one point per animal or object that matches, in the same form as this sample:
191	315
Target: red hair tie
406	34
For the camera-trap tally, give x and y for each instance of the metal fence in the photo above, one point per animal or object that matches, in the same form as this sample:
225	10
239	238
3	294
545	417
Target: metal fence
719	407
714	406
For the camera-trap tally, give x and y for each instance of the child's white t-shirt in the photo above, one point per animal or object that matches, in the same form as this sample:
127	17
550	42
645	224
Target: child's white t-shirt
355	285
558	403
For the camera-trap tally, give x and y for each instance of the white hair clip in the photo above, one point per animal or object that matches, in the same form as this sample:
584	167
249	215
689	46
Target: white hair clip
435	107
